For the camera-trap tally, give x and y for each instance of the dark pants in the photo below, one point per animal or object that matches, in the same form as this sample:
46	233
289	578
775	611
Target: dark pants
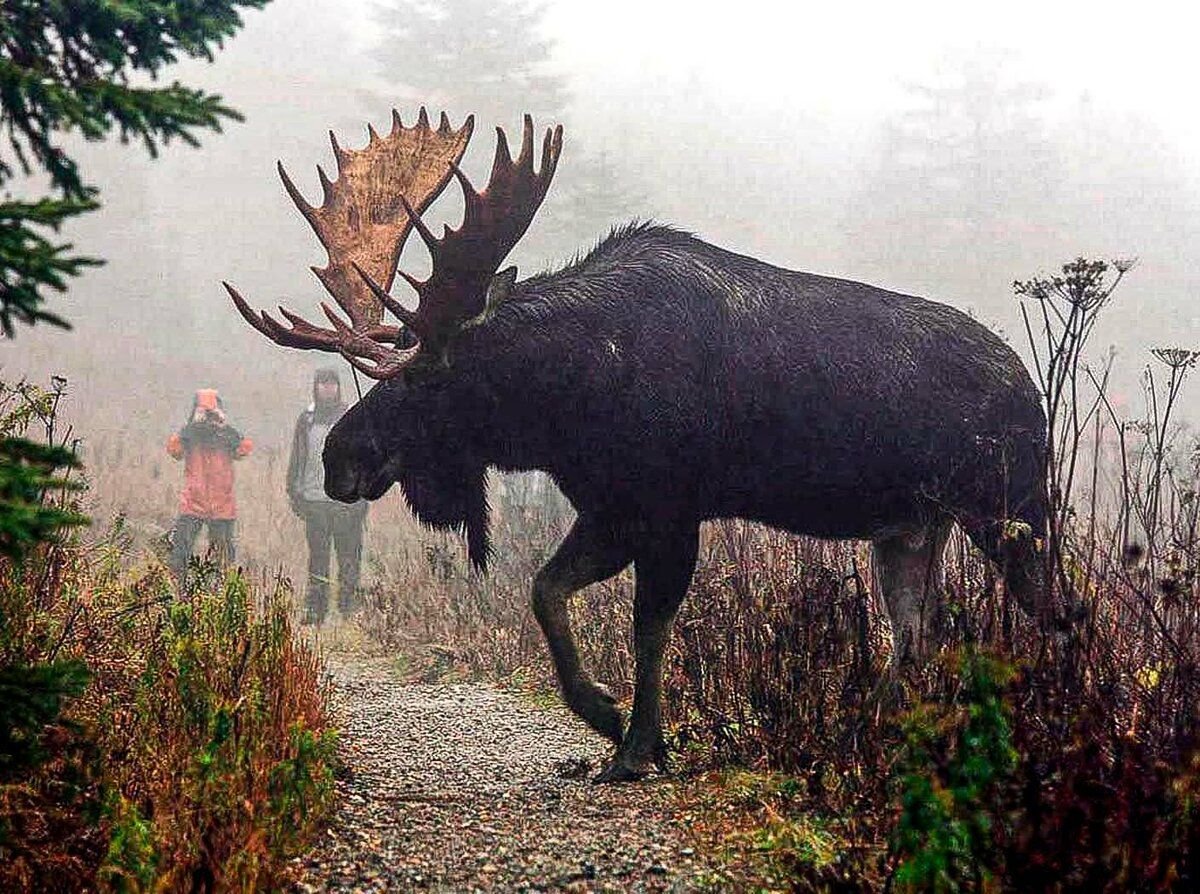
339	525
187	529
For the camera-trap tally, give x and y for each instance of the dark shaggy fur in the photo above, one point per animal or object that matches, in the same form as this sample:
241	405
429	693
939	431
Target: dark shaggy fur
662	381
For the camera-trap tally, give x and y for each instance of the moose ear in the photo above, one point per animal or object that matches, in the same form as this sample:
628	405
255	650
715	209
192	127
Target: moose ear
501	286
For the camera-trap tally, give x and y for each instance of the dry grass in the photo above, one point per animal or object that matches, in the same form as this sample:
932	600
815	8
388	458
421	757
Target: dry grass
775	664
200	755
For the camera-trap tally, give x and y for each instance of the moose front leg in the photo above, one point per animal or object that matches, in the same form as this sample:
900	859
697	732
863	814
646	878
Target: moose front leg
664	566
591	552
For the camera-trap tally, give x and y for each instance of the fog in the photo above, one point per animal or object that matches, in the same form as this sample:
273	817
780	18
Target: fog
926	148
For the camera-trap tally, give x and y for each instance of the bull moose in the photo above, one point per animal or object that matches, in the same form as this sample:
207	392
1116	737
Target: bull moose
660	381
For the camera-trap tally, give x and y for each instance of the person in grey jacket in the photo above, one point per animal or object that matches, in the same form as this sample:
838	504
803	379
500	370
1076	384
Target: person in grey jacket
327	522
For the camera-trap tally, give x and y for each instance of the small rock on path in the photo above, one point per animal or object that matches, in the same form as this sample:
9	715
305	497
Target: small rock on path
463	787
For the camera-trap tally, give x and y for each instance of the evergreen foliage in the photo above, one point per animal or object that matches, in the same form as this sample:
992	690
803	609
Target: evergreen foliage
87	67
82	67
34	512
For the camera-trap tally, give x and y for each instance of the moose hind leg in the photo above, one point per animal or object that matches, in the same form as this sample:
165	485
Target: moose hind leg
664	566
591	552
909	568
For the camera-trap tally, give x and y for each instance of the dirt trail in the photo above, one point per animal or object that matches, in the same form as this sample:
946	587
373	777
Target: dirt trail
462	787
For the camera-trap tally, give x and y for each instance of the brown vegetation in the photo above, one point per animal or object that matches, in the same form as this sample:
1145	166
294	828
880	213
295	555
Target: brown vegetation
199	757
199	754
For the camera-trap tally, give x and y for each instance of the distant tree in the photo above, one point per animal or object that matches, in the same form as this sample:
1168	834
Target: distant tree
489	57
69	68
481	56
962	163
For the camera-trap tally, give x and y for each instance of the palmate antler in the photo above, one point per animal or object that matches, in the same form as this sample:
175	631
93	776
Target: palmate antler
464	260
378	197
363	221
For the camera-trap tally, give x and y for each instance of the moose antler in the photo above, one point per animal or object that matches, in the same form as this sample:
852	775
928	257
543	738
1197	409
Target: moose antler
362	227
465	259
363	221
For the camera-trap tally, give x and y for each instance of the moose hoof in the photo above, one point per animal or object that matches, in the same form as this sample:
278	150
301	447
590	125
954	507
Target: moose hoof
623	769
595	704
635	760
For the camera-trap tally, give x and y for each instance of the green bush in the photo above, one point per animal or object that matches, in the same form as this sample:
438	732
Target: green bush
953	767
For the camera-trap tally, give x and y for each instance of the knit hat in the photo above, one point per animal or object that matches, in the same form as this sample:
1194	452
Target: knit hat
207	398
326	374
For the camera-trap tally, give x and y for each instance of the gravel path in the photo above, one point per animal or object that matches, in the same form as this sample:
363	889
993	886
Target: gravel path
462	787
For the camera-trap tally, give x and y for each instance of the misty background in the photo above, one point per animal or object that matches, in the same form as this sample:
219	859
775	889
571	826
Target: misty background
926	148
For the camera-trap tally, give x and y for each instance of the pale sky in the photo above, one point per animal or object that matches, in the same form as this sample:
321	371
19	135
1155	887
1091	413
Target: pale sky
846	59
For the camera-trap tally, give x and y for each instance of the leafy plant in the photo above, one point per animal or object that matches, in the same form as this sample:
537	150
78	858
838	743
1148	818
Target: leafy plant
955	761
85	67
131	863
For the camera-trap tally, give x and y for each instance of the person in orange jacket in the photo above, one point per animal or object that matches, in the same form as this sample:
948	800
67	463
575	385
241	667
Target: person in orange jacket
208	445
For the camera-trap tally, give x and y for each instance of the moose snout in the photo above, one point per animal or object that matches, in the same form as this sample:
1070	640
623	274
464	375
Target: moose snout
355	468
343	468
343	481
341	484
